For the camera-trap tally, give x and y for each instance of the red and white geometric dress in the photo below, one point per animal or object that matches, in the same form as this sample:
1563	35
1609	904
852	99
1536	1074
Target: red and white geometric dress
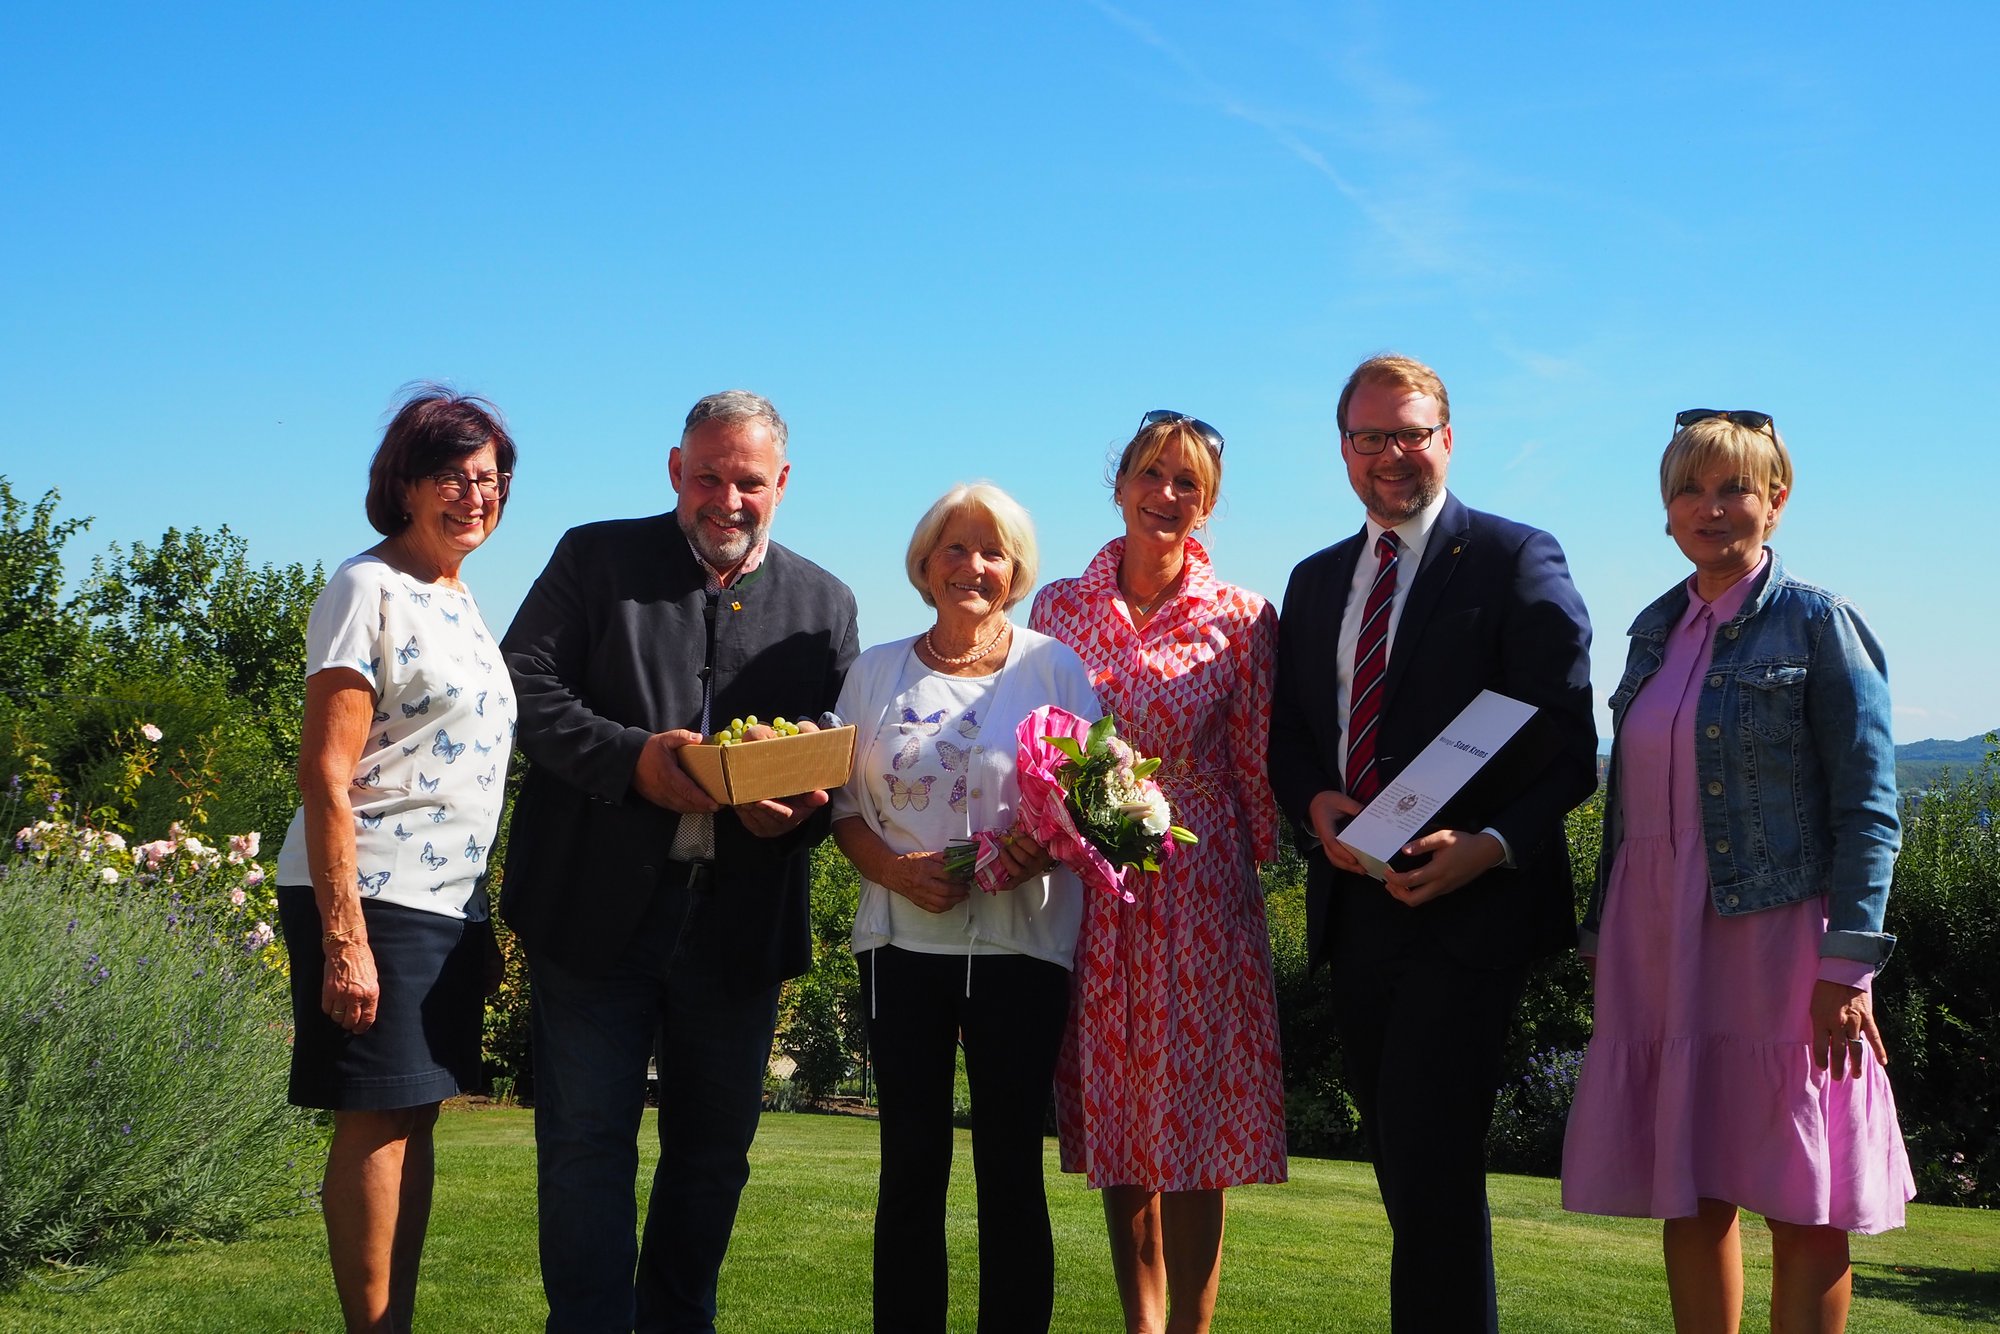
1170	1077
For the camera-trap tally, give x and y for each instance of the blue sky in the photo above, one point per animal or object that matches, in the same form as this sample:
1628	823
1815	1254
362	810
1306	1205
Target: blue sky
956	241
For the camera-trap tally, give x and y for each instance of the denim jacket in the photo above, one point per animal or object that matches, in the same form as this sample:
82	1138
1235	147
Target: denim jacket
1793	757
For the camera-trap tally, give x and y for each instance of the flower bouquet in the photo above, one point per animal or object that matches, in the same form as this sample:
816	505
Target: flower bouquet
1088	798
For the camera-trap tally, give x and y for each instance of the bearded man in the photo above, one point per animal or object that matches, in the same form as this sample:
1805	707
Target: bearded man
652	918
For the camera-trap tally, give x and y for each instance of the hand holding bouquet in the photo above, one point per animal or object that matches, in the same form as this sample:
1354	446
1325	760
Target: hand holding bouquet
1090	799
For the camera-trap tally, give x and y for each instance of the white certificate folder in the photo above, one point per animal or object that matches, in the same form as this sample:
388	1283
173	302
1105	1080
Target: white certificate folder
1402	808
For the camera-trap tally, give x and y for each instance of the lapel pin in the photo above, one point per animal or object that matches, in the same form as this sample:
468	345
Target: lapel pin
736	606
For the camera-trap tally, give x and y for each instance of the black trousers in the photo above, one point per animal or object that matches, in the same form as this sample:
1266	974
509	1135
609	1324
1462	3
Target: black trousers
1422	1039
1011	1025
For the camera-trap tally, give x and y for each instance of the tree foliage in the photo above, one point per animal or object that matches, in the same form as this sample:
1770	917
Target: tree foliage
40	635
185	634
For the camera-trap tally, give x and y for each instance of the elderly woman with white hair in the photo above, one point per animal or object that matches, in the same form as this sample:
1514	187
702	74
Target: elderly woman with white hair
943	965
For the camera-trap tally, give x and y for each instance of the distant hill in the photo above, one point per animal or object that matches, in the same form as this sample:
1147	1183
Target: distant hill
1919	765
1922	764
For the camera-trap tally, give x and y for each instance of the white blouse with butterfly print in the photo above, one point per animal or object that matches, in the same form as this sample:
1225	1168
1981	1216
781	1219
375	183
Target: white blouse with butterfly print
428	790
921	766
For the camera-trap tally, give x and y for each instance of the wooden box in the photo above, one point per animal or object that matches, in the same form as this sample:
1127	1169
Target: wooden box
784	766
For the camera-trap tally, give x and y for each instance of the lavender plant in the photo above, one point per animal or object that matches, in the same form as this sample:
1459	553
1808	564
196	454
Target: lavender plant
144	1043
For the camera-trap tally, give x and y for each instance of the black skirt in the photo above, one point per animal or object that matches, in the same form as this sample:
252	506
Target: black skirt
424	1044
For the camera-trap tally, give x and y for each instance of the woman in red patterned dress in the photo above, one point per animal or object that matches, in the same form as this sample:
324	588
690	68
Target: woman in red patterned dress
1169	1086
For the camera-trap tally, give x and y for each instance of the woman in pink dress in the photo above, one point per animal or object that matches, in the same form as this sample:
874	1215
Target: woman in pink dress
1750	833
1169	1087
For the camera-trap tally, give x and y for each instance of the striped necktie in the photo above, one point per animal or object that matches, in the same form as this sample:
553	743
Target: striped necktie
1371	660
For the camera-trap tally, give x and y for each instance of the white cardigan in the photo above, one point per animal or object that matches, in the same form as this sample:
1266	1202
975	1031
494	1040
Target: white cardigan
1040	918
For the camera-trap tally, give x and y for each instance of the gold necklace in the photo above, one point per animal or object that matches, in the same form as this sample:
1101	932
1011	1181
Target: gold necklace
1146	608
965	660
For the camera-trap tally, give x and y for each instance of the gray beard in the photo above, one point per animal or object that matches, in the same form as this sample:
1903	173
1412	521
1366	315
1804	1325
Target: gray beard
724	557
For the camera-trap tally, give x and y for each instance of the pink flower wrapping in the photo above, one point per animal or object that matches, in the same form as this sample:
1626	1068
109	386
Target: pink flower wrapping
1043	812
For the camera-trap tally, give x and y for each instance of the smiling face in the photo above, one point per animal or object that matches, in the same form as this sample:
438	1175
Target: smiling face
730	477
1164	501
1720	519
1395	485
444	532
970	572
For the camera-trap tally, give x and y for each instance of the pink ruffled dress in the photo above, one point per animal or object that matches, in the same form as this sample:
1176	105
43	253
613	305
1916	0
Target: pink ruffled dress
1699	1080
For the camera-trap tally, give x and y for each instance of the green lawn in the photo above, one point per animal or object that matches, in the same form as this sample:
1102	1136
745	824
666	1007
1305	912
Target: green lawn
1303	1257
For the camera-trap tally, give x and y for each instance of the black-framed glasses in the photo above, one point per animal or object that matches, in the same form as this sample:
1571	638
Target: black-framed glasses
451	485
1201	428
1409	439
1747	418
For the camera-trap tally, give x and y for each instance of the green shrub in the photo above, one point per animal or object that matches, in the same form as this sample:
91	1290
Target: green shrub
144	1046
1938	1001
821	1025
1320	1119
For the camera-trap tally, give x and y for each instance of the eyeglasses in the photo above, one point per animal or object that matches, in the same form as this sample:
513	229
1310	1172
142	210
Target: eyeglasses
1201	428
1409	439
1747	419
451	485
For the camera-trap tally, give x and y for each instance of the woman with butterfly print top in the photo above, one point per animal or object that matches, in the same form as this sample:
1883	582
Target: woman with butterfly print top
942	965
409	724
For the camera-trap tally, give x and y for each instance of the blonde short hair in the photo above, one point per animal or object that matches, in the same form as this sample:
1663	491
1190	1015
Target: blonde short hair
1016	529
1145	448
1757	453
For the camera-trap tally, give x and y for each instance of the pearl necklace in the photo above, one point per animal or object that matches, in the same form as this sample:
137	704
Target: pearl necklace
964	660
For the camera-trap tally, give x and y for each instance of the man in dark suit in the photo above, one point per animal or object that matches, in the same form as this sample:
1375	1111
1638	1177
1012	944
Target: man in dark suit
651	918
1384	637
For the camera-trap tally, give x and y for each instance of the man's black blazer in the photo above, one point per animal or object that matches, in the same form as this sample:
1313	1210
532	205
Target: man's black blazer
1492	608
607	650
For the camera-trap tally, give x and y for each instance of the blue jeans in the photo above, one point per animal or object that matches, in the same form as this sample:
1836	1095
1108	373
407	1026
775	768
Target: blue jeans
593	1034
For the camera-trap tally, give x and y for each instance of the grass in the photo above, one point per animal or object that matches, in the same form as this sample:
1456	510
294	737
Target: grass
1307	1256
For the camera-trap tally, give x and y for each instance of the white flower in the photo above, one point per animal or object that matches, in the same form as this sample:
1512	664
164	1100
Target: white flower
236	897
150	732
1150	809
108	875
113	840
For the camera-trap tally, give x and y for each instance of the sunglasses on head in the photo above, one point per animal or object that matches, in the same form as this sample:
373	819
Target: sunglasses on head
1201	428
1747	419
